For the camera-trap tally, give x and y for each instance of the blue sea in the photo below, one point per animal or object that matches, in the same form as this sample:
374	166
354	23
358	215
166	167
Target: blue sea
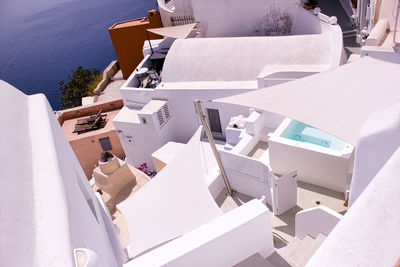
41	47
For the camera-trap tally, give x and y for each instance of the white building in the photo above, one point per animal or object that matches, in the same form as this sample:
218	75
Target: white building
209	68
182	217
175	220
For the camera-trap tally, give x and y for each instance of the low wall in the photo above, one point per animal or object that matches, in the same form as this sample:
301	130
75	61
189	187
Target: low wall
315	221
315	164
224	241
63	115
108	73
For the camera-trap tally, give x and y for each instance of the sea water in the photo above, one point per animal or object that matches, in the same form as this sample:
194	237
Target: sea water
38	50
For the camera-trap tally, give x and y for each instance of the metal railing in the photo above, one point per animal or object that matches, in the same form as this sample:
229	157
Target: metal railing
182	20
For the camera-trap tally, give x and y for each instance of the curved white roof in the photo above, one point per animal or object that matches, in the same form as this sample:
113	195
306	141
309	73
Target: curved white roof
244	58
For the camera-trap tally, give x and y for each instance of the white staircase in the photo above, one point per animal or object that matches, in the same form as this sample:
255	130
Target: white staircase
298	252
295	254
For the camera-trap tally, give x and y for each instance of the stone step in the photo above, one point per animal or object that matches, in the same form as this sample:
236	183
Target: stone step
256	260
296	254
304	249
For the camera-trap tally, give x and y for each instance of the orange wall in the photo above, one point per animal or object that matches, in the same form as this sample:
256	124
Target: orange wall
88	150
128	38
86	146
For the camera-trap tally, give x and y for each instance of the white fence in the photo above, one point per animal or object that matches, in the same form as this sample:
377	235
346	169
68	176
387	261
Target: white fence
247	175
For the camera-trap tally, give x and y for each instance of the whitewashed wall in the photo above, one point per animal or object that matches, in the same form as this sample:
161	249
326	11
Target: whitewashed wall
47	206
316	220
224	241
368	235
179	128
374	148
239	18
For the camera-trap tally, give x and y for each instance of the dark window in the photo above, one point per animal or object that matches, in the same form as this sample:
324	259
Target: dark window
214	120
105	144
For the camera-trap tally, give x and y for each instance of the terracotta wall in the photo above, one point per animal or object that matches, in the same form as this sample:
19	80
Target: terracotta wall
88	150
128	38
87	147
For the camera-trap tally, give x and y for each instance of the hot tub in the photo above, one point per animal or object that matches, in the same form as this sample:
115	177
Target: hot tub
319	158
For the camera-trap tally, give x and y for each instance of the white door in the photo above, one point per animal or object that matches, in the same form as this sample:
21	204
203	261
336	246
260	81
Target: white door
284	192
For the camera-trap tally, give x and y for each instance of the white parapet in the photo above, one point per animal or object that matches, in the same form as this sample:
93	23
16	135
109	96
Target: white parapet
224	241
48	209
316	220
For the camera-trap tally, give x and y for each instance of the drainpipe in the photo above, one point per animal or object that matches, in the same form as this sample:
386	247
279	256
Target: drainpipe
148	39
199	111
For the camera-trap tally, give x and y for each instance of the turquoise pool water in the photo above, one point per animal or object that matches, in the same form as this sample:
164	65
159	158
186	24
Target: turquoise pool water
305	133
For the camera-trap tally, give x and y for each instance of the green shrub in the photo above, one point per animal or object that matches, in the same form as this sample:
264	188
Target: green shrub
78	86
94	84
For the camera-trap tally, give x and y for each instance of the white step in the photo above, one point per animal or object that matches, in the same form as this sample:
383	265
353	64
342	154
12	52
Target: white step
305	249
296	254
256	260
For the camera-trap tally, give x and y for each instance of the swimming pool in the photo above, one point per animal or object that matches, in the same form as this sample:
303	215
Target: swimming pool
305	133
319	158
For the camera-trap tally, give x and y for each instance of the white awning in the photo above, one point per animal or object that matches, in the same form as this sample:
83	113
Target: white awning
178	32
337	101
173	203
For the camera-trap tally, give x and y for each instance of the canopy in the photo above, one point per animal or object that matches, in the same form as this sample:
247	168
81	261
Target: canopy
173	203
181	31
337	101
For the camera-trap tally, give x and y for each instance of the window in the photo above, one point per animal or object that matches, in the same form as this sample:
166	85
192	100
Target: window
105	144
214	120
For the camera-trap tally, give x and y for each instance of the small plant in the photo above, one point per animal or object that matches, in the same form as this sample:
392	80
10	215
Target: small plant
146	170
94	84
